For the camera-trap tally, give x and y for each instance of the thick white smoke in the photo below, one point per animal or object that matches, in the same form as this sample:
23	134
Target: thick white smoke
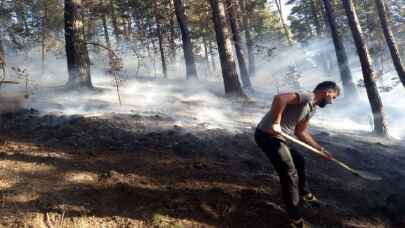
198	102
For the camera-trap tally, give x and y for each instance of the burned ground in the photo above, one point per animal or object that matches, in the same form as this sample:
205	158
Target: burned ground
131	170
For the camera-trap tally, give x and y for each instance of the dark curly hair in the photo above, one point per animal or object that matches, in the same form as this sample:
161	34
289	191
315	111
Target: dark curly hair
325	85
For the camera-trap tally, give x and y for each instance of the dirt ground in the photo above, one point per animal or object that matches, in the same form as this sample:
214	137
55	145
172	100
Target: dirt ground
117	170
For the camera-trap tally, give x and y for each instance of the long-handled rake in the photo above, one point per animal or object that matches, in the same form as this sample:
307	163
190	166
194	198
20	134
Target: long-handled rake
359	173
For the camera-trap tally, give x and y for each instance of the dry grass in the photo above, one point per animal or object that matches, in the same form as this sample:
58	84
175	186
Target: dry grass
26	176
49	181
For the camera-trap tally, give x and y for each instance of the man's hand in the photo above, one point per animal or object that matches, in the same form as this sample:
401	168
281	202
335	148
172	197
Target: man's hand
328	156
276	129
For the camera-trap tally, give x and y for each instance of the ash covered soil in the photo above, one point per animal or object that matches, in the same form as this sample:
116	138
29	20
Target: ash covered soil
135	170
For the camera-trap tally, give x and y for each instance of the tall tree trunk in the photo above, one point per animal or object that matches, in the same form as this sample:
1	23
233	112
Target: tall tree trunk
91	29
322	57
389	37
207	62
43	36
116	29
248	36
129	27
154	48
229	74
208	49
21	16
125	32
370	31
172	36
150	35
345	73
286	31
145	23
2	55
322	7
159	34
126	26
316	19
107	36
105	29
211	51
76	49
185	35
2	60
380	126
140	25
233	13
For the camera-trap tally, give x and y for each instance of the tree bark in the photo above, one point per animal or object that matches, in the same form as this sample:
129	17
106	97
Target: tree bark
185	35
286	31
21	16
116	29
229	74
172	36
233	13
106	36
129	27
138	18
91	28
44	36
322	57
322	7
316	18
148	39
380	126
389	37
345	73
211	51
249	40
2	59
76	49
105	29
159	34
207	62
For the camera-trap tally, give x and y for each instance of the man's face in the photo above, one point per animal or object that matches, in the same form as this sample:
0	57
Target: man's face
328	96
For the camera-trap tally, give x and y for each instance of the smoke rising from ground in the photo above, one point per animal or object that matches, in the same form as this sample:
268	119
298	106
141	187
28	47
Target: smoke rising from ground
201	102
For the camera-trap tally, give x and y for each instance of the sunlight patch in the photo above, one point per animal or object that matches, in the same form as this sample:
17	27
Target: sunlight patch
6	183
81	177
23	197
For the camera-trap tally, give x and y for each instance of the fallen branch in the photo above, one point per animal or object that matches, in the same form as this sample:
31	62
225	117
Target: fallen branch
116	66
104	47
8	82
48	221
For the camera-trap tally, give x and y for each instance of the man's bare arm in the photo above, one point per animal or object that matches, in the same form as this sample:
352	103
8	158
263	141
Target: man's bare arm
280	101
303	135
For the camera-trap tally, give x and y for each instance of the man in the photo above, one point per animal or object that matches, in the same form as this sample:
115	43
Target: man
290	113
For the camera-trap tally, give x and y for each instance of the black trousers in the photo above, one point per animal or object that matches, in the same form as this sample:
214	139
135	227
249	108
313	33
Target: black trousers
290	166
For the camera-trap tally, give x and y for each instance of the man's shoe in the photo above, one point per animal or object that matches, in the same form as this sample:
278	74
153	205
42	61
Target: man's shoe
309	198
299	223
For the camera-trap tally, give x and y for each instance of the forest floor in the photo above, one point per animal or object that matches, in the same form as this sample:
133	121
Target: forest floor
134	170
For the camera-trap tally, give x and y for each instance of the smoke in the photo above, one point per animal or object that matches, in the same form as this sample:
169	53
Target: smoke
344	115
199	103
